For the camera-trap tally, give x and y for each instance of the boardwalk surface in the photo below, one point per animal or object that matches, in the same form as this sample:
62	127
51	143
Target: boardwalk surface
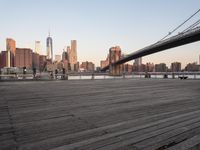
124	114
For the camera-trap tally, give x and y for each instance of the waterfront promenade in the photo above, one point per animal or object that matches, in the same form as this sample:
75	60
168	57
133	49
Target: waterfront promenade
112	114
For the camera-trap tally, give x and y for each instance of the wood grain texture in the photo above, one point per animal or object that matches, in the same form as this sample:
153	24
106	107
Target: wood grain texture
112	114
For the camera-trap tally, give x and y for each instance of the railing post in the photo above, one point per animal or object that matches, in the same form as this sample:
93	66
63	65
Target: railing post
92	76
124	75
165	76
173	76
16	76
66	77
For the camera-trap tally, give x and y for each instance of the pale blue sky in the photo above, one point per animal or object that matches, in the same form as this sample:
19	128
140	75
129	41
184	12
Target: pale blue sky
97	25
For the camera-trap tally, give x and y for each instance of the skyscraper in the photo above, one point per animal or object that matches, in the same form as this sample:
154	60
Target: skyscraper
11	50
73	55
49	48
138	64
64	55
37	47
65	59
68	49
138	61
73	52
11	45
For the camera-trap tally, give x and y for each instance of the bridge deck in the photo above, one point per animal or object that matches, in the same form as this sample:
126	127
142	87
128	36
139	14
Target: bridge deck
100	114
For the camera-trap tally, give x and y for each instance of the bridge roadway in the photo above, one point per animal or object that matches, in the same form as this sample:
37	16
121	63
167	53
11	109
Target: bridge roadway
115	114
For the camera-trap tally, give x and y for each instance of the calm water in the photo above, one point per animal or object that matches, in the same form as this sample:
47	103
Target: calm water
129	76
89	77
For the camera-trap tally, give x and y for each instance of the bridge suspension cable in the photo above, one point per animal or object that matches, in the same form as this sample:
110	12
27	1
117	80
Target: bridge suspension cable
192	26
181	25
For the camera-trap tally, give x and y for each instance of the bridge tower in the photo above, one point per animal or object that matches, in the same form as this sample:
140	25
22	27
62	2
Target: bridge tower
114	55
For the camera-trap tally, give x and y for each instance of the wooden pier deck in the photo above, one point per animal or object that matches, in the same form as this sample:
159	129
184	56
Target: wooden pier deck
115	114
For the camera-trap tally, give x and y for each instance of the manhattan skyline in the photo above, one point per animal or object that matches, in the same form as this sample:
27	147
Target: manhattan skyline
98	25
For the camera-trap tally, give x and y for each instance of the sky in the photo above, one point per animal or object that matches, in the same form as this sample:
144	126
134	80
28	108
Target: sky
98	25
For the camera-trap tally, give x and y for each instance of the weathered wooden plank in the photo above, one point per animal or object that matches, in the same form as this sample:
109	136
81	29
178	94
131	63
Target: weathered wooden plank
187	144
174	136
116	139
92	133
8	145
71	112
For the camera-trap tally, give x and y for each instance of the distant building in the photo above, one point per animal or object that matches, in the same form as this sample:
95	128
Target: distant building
65	60
191	67
87	66
66	65
42	63
3	58
37	47
76	66
73	52
59	66
50	67
64	56
137	68
68	49
176	67
49	48
143	68
128	68
11	45
149	67
11	48
36	61
98	69
137	65
104	63
23	58
72	55
58	58
138	61
162	67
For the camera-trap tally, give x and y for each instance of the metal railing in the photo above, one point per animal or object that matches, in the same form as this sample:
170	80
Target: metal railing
83	76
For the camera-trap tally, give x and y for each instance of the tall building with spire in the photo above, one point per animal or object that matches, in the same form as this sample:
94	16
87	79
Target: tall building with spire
49	47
